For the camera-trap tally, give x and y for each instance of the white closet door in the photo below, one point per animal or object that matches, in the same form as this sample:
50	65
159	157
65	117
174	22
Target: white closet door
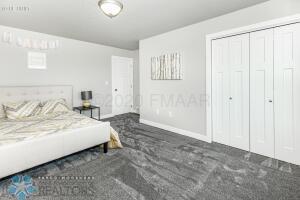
220	91
261	92
239	91
287	93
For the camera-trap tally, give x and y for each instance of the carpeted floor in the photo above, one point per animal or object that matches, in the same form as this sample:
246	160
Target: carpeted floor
157	164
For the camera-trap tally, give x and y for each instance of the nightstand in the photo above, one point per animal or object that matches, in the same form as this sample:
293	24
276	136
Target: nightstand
91	109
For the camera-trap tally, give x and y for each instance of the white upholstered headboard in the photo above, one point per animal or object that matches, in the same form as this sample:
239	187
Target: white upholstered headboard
16	93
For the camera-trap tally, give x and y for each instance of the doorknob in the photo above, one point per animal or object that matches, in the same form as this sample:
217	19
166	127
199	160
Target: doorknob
116	90
270	101
230	98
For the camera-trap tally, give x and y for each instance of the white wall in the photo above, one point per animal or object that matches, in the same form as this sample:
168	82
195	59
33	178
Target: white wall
190	41
84	65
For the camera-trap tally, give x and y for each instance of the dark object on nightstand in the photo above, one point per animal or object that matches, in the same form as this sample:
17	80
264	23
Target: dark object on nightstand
86	96
91	108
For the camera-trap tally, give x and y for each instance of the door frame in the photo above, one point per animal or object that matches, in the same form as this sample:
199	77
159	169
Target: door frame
237	31
112	82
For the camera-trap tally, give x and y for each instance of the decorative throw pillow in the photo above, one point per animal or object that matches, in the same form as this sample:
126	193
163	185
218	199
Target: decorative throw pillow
114	142
54	106
17	110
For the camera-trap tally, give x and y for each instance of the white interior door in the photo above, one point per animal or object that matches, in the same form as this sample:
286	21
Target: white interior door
261	92
287	93
230	91
239	91
220	91
122	85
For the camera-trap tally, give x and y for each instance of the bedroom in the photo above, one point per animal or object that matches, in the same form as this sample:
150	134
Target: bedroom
151	72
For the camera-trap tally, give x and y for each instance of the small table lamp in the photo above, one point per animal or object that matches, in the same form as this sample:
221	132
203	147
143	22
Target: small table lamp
86	96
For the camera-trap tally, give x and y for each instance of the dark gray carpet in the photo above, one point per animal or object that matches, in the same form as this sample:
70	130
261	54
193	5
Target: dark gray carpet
157	164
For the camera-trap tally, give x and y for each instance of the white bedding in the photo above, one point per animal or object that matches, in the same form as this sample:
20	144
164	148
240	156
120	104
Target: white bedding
12	131
33	141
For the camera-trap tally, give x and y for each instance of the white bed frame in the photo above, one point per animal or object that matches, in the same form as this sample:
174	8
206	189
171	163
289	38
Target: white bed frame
26	154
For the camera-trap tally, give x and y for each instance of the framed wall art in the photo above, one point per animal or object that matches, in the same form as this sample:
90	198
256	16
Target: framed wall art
167	67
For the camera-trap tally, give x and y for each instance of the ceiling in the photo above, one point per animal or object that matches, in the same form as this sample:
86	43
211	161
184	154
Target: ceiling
82	19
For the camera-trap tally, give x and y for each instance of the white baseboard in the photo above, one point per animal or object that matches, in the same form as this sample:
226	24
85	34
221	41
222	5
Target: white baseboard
107	116
197	136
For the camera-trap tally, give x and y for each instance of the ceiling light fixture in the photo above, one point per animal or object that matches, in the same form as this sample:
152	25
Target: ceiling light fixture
111	8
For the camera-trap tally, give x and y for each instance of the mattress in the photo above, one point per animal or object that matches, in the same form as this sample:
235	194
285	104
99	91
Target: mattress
12	131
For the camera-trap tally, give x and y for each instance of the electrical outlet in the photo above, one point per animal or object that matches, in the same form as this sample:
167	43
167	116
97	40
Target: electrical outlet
157	111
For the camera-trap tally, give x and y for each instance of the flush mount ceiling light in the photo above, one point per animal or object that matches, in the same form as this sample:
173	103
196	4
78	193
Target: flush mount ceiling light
111	8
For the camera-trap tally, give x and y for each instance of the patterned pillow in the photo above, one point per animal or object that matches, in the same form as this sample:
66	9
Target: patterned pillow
17	110
54	106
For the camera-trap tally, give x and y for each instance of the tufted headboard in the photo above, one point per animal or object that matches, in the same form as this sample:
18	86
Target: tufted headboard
16	93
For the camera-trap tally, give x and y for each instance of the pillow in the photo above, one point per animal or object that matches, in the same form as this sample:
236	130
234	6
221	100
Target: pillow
21	109
54	106
114	142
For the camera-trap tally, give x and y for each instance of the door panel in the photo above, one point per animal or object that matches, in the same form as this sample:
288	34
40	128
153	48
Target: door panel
230	89
220	91
261	92
122	85
239	91
287	93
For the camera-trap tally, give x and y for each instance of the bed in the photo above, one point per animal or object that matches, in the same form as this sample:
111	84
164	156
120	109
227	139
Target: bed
32	141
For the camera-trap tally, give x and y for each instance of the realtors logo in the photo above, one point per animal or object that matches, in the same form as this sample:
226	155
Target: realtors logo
21	187
24	187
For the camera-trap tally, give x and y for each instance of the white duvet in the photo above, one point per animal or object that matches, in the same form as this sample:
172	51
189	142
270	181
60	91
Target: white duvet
32	127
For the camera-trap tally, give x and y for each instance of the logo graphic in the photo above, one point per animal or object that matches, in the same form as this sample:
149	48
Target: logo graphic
21	187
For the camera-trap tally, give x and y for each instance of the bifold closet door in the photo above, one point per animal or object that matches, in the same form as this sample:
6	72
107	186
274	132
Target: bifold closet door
239	91
230	91
262	92
220	91
287	93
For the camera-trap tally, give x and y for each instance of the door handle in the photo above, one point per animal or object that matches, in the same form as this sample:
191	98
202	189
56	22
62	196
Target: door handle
230	98
270	101
116	90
